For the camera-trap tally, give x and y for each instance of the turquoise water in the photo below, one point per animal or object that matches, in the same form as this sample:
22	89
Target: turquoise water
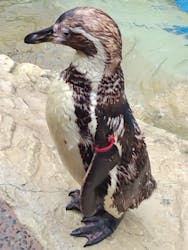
179	30
182	4
155	50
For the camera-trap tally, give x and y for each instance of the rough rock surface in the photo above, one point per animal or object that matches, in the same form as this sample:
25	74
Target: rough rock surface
34	182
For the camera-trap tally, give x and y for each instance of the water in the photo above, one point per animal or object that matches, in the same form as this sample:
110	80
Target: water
155	50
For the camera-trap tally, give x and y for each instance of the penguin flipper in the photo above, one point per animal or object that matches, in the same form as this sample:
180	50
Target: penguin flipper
98	171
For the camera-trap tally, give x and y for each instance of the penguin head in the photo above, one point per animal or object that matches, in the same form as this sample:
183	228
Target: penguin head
87	30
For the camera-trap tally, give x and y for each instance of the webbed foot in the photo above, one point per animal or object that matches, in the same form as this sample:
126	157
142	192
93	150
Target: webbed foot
74	204
97	228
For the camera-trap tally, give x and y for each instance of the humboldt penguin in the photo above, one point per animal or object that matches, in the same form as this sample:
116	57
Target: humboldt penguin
91	122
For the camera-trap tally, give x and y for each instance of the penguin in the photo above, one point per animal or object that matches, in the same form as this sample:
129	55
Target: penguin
90	120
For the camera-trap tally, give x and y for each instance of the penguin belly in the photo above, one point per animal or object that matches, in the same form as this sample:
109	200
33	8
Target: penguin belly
61	120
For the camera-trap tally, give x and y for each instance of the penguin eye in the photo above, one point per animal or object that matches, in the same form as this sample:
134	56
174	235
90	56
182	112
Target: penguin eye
66	33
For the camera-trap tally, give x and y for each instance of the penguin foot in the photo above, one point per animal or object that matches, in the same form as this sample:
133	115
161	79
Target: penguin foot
74	204
97	228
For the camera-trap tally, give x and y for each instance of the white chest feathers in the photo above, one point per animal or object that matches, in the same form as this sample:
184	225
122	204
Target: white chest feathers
61	119
61	112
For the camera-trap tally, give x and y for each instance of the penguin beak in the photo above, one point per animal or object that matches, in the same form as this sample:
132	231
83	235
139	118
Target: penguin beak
45	35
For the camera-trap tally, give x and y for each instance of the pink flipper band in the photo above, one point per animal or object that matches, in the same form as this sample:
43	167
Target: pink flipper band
111	140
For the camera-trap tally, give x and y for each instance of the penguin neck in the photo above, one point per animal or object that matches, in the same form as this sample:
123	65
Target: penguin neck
93	67
111	89
107	89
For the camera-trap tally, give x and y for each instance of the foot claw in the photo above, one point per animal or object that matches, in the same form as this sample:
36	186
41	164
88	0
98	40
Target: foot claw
75	193
76	232
75	203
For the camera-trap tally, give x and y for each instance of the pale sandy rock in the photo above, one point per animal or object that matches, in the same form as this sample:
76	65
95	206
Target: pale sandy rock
6	63
34	182
33	76
6	87
7	126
